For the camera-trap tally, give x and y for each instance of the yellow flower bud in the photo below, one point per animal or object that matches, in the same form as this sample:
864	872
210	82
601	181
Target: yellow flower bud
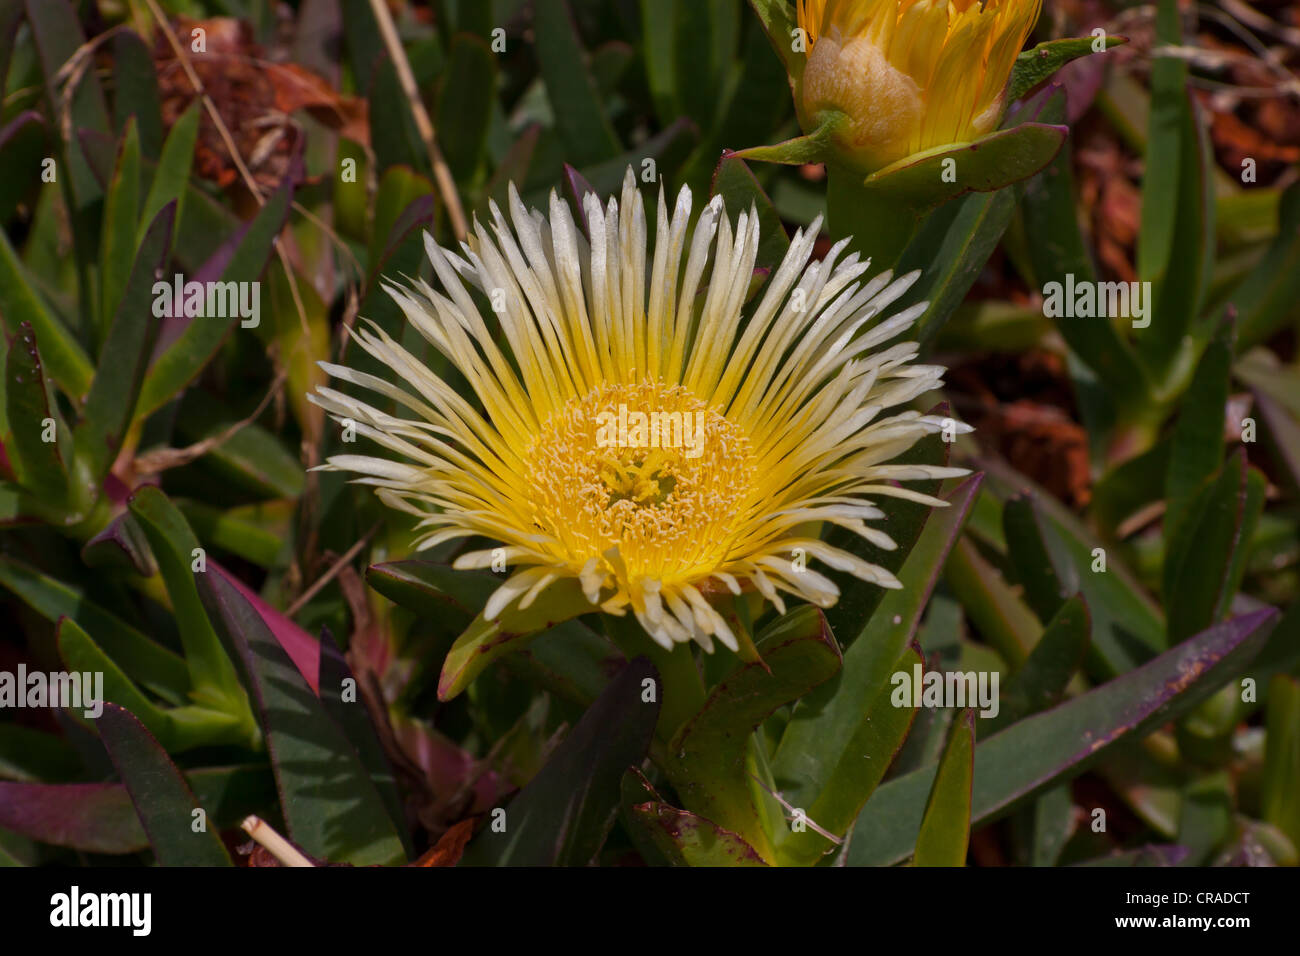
910	75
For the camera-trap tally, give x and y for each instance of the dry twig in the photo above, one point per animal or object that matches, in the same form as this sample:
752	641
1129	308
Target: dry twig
441	172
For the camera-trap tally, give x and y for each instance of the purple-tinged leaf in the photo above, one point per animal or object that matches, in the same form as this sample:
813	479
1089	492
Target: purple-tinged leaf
162	799
1040	751
122	546
94	817
331	807
99	817
302	648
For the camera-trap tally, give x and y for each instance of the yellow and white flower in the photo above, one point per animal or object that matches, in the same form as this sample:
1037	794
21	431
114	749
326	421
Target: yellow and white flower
909	75
792	400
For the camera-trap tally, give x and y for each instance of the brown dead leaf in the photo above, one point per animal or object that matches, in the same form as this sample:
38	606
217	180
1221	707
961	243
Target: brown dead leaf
299	89
1022	406
449	848
255	97
1109	192
1256	113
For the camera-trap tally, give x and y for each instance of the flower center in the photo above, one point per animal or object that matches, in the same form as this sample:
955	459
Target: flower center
646	468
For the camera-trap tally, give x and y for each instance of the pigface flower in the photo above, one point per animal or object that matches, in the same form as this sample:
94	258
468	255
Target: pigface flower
635	427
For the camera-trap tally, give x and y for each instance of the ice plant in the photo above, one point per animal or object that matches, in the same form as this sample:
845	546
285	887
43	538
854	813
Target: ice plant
908	75
637	428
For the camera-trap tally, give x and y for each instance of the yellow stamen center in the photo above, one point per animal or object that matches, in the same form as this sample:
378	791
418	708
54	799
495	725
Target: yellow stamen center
646	468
